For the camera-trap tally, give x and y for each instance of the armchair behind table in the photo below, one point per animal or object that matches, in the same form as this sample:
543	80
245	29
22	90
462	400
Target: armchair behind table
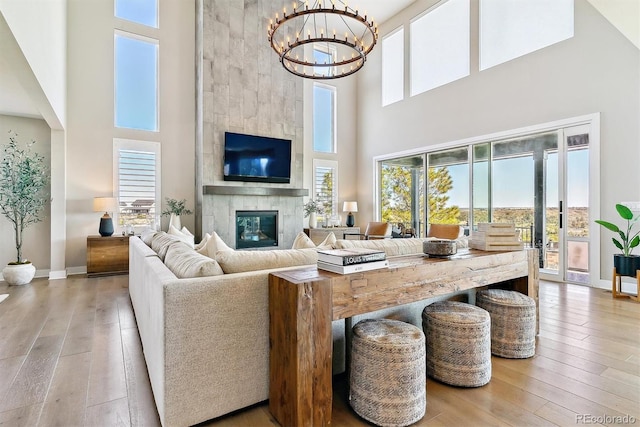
445	231
374	230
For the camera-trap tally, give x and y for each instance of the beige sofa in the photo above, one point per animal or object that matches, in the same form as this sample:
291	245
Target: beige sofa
205	333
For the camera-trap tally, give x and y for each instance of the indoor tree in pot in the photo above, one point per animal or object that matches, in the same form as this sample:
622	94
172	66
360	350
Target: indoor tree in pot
23	197
174	209
625	263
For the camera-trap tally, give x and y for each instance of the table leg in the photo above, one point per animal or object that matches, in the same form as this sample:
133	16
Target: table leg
300	352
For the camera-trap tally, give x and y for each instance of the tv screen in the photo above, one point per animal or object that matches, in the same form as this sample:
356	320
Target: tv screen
256	158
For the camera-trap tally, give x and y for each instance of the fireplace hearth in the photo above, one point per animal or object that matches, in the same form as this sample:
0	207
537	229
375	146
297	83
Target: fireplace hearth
256	229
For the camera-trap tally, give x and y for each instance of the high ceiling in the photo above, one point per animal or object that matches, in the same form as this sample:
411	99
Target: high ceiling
15	101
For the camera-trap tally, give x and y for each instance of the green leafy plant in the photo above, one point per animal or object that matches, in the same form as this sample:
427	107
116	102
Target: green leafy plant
24	178
627	241
312	206
176	207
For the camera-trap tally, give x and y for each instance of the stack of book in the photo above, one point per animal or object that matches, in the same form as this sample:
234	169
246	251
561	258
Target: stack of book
353	260
496	236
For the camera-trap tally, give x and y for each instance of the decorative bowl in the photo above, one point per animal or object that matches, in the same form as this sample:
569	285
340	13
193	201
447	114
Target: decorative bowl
439	247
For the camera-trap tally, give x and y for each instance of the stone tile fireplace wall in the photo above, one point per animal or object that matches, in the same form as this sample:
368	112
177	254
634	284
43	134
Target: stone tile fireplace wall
241	87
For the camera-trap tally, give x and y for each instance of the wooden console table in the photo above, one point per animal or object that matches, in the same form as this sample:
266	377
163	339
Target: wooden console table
304	302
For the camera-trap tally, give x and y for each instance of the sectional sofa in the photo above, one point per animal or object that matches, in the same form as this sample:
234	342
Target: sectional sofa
204	324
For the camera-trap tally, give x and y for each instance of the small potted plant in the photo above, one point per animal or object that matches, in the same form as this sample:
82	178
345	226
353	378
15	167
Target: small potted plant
174	209
625	263
311	209
23	197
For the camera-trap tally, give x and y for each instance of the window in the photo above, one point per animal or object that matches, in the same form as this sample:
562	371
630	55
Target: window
393	67
324	57
136	82
511	29
440	46
325	186
137	182
324	118
143	12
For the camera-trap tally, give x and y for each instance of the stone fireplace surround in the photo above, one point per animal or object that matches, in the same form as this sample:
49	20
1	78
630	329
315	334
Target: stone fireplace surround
222	202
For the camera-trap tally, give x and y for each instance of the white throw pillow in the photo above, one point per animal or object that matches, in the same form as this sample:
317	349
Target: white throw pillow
188	239
186	231
203	242
302	241
328	242
213	245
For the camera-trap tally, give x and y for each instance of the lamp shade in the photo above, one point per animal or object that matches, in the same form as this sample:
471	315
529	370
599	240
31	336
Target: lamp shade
350	207
104	204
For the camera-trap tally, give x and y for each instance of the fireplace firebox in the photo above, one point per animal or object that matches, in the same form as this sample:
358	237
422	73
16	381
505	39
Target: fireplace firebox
256	229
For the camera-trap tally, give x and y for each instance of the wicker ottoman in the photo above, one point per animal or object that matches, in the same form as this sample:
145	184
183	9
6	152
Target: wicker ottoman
388	384
513	322
458	343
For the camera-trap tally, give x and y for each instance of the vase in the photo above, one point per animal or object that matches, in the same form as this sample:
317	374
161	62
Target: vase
19	274
175	221
626	265
313	221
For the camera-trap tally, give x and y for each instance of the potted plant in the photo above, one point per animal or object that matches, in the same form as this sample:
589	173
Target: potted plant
625	264
23	197
311	209
174	209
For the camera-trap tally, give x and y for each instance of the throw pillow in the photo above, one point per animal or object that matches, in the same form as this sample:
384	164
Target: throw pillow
302	241
213	245
188	239
203	242
161	242
147	236
328	241
241	261
186	263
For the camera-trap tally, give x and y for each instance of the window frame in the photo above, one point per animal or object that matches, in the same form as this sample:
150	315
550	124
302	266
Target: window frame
334	117
149	146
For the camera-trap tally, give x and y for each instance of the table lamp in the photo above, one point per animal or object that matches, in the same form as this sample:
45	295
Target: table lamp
350	207
106	205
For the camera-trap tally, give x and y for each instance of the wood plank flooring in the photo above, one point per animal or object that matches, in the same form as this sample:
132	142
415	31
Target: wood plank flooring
70	355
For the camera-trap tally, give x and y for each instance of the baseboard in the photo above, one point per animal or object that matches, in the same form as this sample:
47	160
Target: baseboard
58	274
76	270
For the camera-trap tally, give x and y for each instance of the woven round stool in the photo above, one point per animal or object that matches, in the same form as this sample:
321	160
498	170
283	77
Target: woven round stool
458	343
513	322
388	384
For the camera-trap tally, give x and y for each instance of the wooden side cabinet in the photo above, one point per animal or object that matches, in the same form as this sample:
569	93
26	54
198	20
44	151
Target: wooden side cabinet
107	255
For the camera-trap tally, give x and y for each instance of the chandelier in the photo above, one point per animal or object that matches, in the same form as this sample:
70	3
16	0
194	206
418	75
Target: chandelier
322	42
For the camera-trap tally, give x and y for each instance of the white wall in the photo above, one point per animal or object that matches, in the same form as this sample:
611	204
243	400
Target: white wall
598	70
35	246
39	28
90	129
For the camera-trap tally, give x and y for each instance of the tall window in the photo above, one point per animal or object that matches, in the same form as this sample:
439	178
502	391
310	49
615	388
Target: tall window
511	29
325	186
440	46
324	118
137	182
136	82
393	67
143	12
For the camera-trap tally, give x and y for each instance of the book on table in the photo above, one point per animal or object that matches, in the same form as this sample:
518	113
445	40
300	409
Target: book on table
350	256
353	268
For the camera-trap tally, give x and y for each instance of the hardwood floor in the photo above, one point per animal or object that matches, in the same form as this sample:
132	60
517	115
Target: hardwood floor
70	355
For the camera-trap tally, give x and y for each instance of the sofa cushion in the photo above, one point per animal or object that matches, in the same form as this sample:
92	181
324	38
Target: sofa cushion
392	247
241	261
186	263
161	242
187	238
213	245
147	235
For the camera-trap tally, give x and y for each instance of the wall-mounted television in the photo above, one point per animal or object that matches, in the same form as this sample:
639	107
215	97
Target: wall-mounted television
256	158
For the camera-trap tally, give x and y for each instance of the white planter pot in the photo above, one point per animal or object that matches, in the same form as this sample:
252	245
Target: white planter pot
313	222
19	274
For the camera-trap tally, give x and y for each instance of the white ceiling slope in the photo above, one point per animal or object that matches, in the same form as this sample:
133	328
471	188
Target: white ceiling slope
624	15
